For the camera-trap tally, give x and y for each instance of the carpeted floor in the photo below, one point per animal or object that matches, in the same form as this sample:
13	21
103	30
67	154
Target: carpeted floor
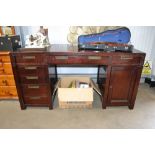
143	115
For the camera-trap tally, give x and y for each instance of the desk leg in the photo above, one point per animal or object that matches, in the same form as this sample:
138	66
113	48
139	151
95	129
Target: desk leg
56	75
103	106
105	94
131	107
51	106
23	107
98	72
53	81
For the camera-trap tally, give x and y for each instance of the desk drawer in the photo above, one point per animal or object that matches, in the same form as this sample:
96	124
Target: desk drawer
92	59
6	68
33	90
31	58
33	79
37	100
32	70
126	59
8	91
4	58
7	80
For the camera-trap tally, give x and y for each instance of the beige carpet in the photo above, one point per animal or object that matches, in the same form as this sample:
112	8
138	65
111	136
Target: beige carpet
143	115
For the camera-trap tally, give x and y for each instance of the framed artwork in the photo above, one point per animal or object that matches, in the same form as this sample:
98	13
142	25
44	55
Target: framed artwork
7	30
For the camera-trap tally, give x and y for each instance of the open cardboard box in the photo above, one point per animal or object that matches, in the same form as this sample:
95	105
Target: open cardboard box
75	97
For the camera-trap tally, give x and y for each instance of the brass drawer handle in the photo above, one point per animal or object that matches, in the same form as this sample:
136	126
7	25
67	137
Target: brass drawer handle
35	87
31	77
94	57
126	58
35	98
61	57
30	68
29	57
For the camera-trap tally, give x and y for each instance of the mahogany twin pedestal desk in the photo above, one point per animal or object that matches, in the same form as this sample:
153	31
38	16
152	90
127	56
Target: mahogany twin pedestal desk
118	73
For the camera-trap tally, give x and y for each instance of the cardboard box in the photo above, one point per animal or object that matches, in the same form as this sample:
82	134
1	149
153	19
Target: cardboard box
75	97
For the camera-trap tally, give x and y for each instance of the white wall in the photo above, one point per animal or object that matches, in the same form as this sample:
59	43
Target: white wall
153	58
142	37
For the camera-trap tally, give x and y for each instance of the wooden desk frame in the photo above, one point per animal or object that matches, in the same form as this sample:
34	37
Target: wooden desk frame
119	88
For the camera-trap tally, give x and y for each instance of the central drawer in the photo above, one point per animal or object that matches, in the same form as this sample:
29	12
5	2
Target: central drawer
33	90
91	59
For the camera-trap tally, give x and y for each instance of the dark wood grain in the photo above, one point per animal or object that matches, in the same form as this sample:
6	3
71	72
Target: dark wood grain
118	88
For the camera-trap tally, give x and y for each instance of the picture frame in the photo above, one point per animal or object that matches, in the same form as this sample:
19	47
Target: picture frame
7	30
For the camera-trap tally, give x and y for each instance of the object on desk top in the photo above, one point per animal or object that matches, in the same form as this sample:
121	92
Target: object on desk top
75	31
65	49
120	35
110	40
106	46
38	40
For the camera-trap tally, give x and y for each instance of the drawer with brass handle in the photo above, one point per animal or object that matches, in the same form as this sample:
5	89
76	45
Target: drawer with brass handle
126	59
33	79
92	59
36	58
32	70
32	90
37	100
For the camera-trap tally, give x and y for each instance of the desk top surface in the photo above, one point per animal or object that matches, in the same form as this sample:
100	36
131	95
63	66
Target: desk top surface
68	48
